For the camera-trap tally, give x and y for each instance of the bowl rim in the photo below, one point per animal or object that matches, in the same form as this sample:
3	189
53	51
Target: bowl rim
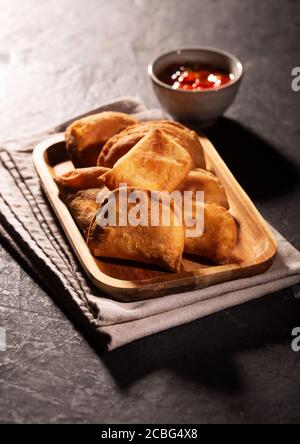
237	61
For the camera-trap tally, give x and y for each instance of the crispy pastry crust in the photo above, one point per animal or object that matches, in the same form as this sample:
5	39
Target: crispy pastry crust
80	179
203	180
79	189
85	137
159	245
118	145
219	237
156	163
156	156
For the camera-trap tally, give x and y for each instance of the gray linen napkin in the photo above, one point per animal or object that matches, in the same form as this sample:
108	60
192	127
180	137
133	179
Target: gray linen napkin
32	232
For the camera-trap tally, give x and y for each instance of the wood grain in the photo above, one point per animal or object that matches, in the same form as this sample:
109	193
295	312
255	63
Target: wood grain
253	254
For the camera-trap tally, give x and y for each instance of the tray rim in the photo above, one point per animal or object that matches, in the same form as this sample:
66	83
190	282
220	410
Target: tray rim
166	284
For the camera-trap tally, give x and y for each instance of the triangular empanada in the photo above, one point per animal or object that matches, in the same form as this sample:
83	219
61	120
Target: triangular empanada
156	162
118	145
158	245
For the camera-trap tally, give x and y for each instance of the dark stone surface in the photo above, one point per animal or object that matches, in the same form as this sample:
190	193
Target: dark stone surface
63	58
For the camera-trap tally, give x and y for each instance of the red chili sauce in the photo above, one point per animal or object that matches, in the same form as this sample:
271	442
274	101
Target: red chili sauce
195	77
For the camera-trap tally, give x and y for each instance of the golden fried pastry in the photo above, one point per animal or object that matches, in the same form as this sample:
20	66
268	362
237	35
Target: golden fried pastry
120	144
85	137
203	180
159	245
219	237
80	178
155	163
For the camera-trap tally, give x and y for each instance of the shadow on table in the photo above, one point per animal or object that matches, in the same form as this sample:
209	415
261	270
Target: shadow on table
204	351
259	167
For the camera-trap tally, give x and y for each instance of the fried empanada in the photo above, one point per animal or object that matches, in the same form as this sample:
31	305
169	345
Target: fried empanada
219	237
118	145
85	137
80	178
158	245
203	180
155	163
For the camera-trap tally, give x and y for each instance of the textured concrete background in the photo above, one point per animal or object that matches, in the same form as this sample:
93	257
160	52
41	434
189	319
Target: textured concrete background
61	58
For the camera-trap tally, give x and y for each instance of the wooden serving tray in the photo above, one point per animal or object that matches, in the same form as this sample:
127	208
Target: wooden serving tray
129	281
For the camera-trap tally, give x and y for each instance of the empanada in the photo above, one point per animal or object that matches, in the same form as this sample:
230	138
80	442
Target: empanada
118	145
219	237
159	245
203	180
83	207
79	190
155	163
80	178
85	137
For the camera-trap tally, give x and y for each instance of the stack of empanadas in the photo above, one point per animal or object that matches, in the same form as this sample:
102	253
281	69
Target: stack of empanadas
151	157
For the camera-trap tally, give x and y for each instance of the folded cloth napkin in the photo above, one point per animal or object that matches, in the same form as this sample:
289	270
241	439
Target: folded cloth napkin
32	232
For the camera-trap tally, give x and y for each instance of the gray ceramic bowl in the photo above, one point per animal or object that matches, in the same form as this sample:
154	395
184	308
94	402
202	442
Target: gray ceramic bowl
204	106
